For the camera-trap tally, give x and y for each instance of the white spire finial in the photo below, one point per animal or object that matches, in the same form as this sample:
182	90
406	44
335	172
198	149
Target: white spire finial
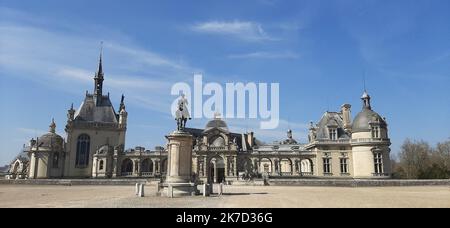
217	115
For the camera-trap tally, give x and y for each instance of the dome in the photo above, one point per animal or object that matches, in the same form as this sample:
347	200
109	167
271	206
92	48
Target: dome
50	140
216	123
362	121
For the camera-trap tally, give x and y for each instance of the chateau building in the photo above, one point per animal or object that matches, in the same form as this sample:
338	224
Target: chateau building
338	147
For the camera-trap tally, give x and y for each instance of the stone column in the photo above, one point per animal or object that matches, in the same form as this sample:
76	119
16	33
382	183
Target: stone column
136	168
295	171
292	166
226	166
96	168
215	171
279	167
258	169
153	167
235	171
195	166
275	166
115	169
33	166
205	166
179	170
158	166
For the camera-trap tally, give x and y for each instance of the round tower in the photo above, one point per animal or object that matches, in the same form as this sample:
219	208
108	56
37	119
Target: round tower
370	143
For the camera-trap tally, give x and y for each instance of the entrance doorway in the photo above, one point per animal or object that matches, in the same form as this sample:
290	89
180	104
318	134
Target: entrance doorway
216	170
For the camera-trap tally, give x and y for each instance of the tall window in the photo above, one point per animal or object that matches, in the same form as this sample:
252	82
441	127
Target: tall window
378	161
333	134
375	132
101	165
344	165
55	162
83	145
326	165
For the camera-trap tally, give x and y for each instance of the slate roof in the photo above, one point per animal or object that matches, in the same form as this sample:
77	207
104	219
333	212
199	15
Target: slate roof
22	156
362	121
199	133
217	123
334	119
92	111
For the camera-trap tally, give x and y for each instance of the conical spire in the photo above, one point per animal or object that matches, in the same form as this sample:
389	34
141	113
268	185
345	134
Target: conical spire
99	75
52	126
122	104
100	66
100	69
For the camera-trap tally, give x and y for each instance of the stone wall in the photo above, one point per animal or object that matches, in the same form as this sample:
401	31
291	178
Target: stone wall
271	182
76	181
356	182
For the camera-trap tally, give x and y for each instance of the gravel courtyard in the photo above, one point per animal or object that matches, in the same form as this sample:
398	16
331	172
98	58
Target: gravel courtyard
235	196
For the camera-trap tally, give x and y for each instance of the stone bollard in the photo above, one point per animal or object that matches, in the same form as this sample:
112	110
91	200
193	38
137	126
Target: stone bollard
141	190
205	190
220	189
170	191
211	188
158	189
137	189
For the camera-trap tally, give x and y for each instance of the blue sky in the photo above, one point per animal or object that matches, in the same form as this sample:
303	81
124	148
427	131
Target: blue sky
319	52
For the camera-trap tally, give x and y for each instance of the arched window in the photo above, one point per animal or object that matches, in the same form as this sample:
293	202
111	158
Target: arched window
147	166
55	162
83	145
101	165
127	167
218	142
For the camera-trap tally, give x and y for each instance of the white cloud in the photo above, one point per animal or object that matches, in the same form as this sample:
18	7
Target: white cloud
30	131
244	30
57	59
74	73
265	55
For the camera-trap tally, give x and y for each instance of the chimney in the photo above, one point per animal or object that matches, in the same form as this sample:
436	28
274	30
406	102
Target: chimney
346	116
250	139
244	144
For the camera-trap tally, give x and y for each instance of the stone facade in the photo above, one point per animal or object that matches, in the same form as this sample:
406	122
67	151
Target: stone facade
337	147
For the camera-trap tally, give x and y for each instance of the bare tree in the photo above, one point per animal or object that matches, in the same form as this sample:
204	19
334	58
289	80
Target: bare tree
441	159
420	161
415	158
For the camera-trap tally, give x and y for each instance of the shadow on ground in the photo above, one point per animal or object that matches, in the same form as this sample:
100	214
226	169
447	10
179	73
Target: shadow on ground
245	194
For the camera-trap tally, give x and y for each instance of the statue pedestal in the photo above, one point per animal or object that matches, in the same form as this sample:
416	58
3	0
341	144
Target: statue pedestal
179	166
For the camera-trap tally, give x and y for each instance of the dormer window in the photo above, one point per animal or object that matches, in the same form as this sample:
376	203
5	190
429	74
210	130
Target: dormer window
375	132
333	133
